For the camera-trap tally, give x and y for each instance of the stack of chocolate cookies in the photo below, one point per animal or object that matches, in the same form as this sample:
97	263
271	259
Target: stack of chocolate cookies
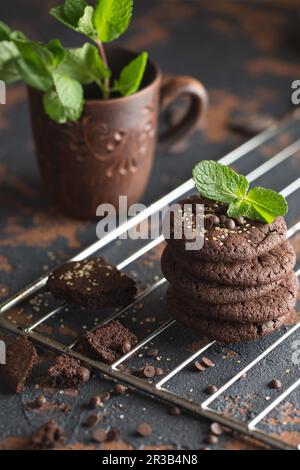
240	286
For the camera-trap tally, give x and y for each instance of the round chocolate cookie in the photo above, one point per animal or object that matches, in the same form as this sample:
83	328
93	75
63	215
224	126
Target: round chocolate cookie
224	239
224	331
211	293
264	269
92	283
267	308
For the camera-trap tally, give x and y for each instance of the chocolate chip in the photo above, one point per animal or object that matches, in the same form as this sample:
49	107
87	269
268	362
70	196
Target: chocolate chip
144	430
210	389
152	353
216	429
126	347
223	219
105	396
211	439
149	371
215	219
120	389
275	384
208	223
174	411
95	402
99	435
91	421
40	401
113	435
230	224
207	362
200	367
159	371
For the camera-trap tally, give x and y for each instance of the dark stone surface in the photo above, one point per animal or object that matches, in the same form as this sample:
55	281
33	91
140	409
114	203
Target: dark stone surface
247	54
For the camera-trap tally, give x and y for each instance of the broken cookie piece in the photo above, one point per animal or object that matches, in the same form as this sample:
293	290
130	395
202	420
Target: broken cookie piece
48	436
109	342
68	372
21	356
92	283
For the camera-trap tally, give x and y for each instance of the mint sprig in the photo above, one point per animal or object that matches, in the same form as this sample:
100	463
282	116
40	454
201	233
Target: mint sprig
220	183
60	73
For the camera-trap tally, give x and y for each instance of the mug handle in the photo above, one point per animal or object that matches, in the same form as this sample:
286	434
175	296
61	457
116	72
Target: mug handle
172	89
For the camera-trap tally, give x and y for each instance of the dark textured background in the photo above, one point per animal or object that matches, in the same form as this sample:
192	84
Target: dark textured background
247	54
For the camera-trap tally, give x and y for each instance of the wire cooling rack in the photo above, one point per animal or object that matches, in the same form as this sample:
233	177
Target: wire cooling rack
270	156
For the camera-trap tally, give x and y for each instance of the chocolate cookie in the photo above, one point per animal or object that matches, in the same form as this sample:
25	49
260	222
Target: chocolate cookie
223	331
92	283
108	342
267	308
264	269
211	293
21	356
241	239
68	372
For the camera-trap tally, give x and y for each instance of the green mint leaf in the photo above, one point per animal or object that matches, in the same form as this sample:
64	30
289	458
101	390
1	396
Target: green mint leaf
132	75
267	204
218	182
54	108
31	65
8	52
84	64
111	18
74	10
57	50
5	32
9	72
77	15
85	23
70	94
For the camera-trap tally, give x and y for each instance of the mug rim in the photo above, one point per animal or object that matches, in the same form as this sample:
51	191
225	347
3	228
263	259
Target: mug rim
152	84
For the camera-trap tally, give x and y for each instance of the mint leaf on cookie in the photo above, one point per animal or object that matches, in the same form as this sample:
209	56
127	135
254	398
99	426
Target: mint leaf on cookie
220	183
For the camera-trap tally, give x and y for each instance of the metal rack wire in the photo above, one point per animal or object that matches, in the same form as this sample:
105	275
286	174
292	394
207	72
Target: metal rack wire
159	389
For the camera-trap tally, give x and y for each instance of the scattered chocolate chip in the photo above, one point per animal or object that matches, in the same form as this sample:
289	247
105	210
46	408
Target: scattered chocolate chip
144	430
95	402
120	389
174	411
230	224
216	429
215	219
200	367
208	223
275	384
211	439
149	371
207	362
99	435
105	396
223	219
91	421
113	435
40	401
159	371
126	347
210	389
152	353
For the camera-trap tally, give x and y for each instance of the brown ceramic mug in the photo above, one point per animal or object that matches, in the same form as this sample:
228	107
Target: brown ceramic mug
110	150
